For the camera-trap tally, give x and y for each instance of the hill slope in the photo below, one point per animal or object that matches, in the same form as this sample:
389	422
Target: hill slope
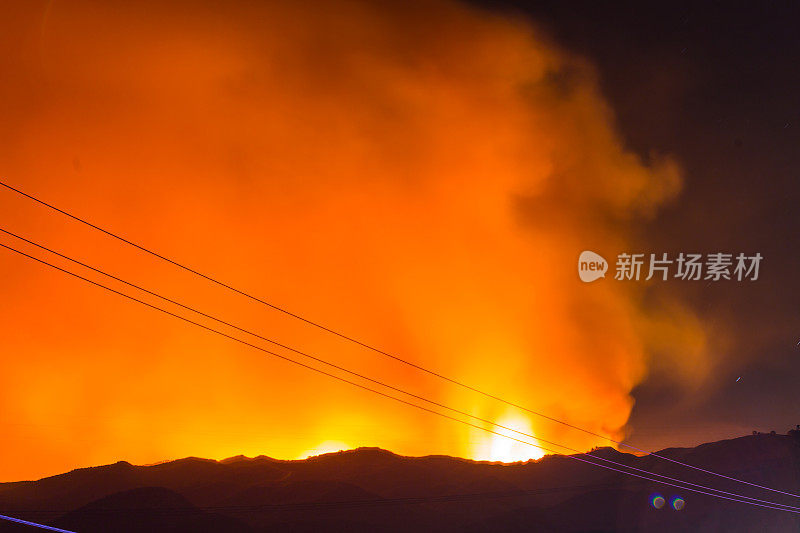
369	489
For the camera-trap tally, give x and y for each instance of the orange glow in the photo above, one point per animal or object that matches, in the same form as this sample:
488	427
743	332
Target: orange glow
421	177
325	447
499	448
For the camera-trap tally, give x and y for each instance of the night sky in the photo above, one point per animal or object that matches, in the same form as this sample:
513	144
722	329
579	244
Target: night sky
716	85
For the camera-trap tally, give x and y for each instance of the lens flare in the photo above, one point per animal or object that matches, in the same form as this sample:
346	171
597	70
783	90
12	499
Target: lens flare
657	501
677	503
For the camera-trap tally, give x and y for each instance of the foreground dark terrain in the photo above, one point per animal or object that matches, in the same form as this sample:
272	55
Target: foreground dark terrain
374	490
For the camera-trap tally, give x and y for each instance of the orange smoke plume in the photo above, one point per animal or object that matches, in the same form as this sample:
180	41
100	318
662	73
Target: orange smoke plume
421	175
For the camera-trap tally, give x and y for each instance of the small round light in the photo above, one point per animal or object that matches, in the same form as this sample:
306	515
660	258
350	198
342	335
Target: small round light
657	501
677	503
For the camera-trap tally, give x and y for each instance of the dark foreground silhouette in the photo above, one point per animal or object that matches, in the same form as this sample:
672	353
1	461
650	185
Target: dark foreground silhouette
374	490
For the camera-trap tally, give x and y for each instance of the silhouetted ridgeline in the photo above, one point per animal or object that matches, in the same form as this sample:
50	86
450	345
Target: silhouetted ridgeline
374	490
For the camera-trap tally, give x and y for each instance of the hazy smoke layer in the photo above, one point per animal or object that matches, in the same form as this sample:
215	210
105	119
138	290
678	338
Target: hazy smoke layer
422	175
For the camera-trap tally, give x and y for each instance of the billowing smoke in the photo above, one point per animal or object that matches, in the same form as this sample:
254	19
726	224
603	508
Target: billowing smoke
420	175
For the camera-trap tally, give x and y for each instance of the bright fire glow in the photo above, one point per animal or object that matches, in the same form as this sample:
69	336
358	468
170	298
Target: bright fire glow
498	448
329	446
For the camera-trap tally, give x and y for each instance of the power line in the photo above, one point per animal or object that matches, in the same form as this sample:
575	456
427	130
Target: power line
384	353
372	380
33	524
768	505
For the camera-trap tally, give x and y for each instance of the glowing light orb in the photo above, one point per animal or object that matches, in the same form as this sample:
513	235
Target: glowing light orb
677	503
657	501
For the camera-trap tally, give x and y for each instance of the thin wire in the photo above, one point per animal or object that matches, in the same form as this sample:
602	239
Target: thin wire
375	381
328	374
34	524
387	354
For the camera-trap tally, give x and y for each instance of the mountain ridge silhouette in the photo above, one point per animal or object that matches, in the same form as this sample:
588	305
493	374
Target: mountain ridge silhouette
371	489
